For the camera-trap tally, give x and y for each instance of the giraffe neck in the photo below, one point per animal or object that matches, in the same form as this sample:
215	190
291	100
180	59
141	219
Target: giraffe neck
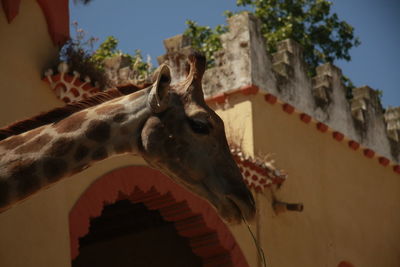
33	160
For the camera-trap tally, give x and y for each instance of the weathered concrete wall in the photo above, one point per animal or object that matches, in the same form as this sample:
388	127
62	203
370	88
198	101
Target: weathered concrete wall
243	62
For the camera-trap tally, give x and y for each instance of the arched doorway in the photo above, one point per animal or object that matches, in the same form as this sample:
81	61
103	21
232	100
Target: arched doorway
189	224
129	234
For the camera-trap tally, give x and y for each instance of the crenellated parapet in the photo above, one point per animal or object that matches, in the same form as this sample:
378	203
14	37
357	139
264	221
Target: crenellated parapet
392	118
322	85
365	101
283	59
244	66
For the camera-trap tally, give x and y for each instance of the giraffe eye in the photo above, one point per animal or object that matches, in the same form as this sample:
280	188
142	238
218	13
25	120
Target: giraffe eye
199	127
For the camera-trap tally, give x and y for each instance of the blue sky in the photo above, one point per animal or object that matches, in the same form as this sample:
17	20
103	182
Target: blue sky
145	24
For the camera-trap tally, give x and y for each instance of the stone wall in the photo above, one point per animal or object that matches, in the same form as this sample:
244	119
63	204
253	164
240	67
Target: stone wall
243	61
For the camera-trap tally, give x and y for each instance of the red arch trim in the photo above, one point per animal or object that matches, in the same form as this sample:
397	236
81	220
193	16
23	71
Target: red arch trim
194	218
11	8
56	13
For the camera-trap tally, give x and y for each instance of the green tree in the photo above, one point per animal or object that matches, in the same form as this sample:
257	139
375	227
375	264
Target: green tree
205	39
309	22
106	49
323	36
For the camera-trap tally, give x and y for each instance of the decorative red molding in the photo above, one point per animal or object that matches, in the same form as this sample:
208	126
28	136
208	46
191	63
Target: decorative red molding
305	117
56	13
345	264
57	17
220	99
338	136
270	98
288	108
11	8
249	90
193	217
354	145
69	88
369	153
396	168
258	174
384	161
246	90
322	127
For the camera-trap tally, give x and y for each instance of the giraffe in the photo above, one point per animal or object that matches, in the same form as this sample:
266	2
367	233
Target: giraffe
169	125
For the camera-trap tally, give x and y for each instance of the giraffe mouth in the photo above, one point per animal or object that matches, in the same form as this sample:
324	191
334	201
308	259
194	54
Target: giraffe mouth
232	207
236	214
239	210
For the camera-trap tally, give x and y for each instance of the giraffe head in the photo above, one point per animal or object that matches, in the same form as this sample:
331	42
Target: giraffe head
186	139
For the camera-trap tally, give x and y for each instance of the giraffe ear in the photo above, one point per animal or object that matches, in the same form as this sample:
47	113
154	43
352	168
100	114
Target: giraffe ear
159	94
195	69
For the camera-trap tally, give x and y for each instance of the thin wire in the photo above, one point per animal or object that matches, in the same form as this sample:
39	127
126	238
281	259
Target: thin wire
260	251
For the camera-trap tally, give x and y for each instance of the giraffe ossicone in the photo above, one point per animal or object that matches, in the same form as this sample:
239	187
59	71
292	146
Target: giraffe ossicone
169	125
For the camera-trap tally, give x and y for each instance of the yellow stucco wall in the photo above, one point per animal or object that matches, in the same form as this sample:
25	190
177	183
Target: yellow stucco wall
351	203
26	50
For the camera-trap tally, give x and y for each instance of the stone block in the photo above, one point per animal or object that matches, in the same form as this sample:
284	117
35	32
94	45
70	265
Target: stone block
176	43
282	56
328	69
368	95
322	80
290	46
321	92
283	69
392	118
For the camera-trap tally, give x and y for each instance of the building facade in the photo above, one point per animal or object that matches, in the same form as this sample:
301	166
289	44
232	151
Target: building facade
324	169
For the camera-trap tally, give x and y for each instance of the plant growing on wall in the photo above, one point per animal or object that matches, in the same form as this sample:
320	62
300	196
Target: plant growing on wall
79	53
109	49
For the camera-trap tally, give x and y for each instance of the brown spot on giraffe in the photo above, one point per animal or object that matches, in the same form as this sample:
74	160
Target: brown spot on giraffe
81	152
61	147
98	131
120	117
34	145
25	175
72	123
54	168
100	153
109	109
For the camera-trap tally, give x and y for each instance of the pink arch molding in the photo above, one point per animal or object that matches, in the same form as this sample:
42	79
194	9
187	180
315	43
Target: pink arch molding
193	217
